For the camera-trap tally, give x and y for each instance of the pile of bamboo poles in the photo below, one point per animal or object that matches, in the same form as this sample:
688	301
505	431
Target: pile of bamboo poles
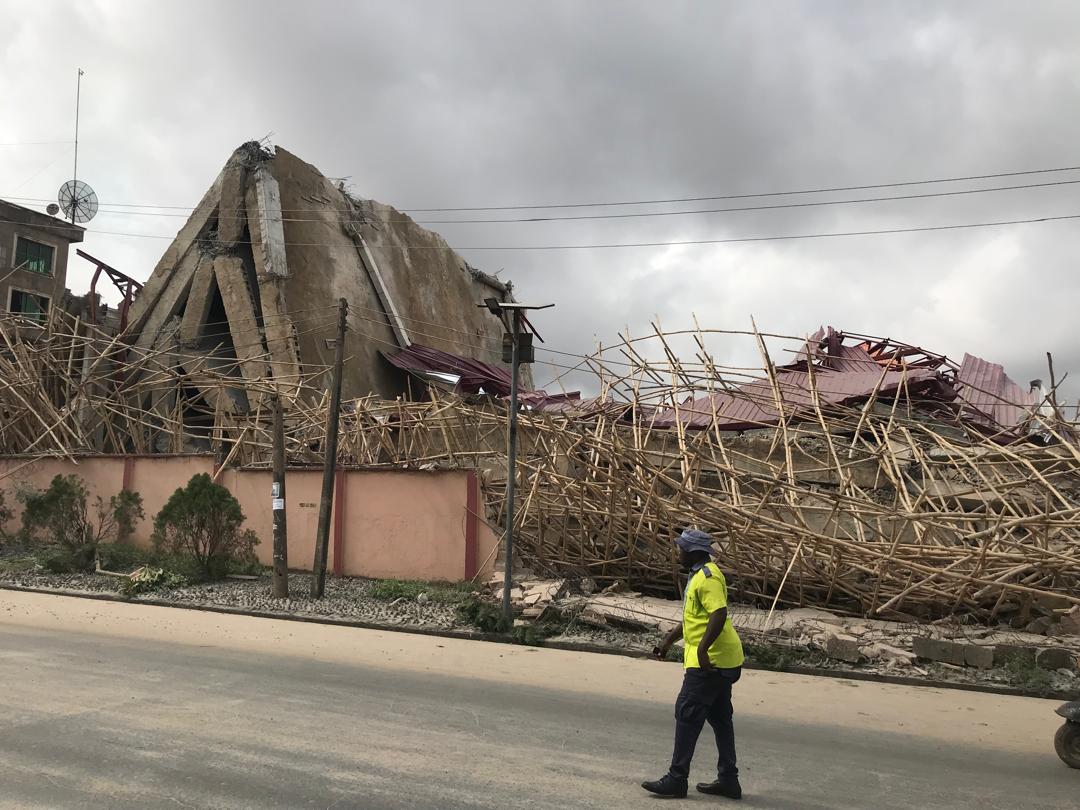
887	506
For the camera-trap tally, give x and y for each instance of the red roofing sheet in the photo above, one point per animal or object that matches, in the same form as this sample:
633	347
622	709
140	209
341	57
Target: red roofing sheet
754	404
990	398
473	374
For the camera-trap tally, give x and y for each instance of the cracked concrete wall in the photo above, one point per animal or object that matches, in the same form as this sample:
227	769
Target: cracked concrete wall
273	246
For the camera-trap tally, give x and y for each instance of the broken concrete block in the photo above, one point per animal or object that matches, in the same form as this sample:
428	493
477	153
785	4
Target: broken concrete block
843	649
243	324
946	652
146	301
171	297
1004	653
265	224
532	612
1039	626
1055	658
200	298
979	656
231	217
888	653
1069	624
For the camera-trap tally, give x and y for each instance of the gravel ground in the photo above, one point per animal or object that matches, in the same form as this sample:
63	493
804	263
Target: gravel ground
343	599
352	599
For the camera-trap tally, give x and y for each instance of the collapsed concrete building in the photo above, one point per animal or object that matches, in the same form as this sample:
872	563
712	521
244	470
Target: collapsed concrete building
858	473
250	286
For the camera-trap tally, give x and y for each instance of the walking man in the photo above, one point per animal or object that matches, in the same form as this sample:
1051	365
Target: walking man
712	663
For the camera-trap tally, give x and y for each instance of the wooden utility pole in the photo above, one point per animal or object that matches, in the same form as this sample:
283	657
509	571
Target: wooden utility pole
517	349
326	504
281	533
511	468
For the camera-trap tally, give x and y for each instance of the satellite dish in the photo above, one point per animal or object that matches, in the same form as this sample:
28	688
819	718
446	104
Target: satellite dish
78	201
52	209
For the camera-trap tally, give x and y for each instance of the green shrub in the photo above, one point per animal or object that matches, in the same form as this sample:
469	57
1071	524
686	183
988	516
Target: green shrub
18	565
69	561
202	521
1025	674
151	579
484	616
781	659
58	516
126	510
6	514
442	593
58	513
121	556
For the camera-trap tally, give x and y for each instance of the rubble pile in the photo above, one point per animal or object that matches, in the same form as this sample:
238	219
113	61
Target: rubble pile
844	472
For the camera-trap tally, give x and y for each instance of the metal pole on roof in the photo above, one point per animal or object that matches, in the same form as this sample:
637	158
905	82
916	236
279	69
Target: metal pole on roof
511	468
75	170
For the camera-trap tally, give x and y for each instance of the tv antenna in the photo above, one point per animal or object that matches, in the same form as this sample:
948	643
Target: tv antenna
77	200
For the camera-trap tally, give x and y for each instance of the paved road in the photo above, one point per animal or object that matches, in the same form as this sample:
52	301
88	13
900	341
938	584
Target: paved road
123	706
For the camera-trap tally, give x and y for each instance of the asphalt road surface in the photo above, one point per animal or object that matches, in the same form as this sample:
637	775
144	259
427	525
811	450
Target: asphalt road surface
106	705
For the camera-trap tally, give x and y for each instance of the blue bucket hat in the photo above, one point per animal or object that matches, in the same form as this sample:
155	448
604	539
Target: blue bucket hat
692	540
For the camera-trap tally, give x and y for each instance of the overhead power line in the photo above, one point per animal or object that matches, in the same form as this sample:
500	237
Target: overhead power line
645	214
809	204
600	246
35	143
718	197
710	198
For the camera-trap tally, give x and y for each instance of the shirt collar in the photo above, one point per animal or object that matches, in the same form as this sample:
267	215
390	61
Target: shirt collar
697	567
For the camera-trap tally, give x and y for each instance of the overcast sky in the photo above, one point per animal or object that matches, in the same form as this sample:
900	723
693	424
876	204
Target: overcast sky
443	104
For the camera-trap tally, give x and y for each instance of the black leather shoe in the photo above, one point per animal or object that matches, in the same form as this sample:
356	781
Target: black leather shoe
729	788
667	787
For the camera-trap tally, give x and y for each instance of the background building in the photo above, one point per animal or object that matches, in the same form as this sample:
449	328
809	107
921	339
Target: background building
33	259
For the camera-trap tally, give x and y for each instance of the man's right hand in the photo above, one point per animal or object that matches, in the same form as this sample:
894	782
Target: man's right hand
660	653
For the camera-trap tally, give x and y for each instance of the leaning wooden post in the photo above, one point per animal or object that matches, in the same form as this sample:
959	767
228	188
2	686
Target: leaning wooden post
322	539
281	533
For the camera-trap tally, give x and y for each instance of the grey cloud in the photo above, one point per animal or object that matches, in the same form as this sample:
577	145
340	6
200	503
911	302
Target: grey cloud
482	103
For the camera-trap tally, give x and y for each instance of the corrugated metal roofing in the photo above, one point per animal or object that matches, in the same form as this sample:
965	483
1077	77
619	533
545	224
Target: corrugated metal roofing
754	404
990	398
473	374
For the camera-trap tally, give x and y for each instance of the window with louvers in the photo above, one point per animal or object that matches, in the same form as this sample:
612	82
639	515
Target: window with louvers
29	305
33	256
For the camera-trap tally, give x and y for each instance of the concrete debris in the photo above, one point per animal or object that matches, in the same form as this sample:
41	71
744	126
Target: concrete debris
944	652
1014	653
854	474
853	641
279	278
1068	624
843	648
879	651
1055	658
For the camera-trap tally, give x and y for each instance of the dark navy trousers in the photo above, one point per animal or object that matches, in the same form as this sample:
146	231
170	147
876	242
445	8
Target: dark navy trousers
705	696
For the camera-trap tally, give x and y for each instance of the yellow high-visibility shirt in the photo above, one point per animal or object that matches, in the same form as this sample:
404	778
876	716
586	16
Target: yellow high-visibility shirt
706	593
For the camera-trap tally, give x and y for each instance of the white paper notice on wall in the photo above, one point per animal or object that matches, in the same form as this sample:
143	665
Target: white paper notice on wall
278	503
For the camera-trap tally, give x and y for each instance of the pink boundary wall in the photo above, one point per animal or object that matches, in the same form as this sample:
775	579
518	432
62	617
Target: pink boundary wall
387	523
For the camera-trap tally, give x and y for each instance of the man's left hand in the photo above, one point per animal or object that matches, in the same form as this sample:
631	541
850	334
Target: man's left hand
703	661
